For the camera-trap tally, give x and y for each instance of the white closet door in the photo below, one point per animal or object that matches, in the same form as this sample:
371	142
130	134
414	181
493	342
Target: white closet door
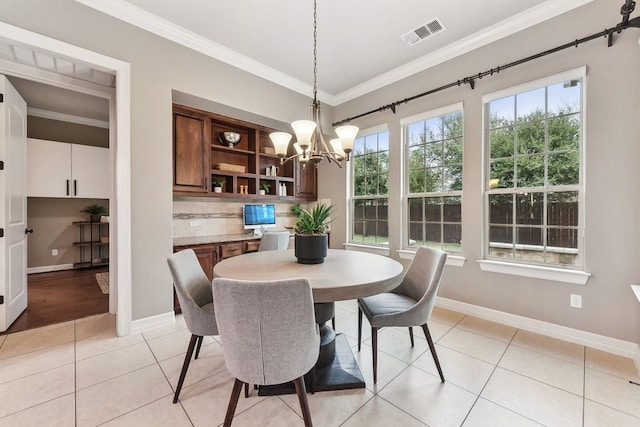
90	171
49	169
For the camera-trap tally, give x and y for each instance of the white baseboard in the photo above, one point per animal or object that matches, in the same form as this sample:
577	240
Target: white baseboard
148	323
48	268
600	342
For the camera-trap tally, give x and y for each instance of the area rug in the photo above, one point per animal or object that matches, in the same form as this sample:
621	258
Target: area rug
103	282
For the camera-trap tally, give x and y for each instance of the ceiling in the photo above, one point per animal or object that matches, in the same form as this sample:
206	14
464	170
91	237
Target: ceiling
359	42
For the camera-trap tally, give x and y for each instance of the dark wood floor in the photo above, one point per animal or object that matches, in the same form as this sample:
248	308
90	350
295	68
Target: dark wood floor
61	296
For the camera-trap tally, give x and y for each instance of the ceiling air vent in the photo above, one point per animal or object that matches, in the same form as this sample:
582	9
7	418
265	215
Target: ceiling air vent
429	29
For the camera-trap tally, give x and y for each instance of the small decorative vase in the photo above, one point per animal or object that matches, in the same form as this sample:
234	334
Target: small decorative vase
311	249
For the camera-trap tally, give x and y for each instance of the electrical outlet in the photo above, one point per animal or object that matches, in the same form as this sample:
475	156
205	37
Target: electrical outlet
576	301
54	252
193	223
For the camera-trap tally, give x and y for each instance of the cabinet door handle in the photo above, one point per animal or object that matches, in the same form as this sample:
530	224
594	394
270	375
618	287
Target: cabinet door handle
67	187
75	187
206	186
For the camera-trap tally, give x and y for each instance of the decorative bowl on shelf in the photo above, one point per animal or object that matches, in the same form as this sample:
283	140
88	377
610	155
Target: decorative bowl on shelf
229	138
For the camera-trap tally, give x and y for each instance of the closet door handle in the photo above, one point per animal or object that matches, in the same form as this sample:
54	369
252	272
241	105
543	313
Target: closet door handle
67	187
75	187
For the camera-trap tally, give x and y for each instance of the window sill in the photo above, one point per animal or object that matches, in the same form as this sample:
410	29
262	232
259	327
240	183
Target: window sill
536	272
379	250
452	260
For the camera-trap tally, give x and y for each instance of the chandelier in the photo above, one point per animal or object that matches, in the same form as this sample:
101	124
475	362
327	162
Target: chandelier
310	145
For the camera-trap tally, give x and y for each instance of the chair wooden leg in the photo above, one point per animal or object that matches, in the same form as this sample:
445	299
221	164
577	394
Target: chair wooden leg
432	347
374	343
304	403
359	327
411	334
185	366
199	345
233	402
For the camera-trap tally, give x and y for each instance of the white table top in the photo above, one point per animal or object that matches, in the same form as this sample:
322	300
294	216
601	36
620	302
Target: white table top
343	275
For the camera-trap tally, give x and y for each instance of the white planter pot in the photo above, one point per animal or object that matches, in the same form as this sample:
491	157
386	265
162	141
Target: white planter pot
217	189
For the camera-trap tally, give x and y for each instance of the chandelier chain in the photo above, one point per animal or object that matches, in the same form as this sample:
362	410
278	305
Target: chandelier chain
315	51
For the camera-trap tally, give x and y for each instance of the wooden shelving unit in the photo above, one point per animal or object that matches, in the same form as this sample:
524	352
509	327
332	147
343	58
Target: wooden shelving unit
201	157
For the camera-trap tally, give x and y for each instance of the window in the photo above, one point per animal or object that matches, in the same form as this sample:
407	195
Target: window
434	145
369	196
533	191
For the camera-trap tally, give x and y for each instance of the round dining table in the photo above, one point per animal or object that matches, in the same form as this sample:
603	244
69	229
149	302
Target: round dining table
344	275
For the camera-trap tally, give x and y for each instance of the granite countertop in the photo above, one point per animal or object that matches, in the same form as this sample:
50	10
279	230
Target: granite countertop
218	238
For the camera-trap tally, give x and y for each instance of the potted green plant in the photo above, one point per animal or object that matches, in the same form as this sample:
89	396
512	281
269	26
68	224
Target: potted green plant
311	239
217	185
264	188
95	212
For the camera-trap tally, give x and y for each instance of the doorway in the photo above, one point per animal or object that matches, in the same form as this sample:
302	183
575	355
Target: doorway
61	296
119	105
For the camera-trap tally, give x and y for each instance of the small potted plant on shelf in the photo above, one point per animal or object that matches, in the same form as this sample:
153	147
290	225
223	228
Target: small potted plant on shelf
95	212
217	185
311	239
264	189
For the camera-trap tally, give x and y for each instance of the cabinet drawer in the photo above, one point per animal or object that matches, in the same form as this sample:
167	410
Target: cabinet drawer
252	246
230	249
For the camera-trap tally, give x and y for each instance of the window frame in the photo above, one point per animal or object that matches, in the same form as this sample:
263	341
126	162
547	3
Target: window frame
351	197
551	271
404	123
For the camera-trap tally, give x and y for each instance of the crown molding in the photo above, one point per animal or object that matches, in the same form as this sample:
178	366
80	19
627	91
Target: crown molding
535	15
140	18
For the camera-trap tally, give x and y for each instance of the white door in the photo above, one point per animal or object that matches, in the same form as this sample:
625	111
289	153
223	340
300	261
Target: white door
13	204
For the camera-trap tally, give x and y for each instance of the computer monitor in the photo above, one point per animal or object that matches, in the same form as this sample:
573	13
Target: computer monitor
258	217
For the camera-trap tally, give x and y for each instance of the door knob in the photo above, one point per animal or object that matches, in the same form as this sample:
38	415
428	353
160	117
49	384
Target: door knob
28	230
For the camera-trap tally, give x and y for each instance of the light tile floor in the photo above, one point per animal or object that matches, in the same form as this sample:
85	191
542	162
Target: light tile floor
80	374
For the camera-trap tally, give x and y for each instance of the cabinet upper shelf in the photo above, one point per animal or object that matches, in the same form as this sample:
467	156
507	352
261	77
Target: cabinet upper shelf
203	158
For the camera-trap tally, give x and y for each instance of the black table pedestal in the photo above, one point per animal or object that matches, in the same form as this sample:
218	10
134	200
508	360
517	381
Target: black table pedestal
336	368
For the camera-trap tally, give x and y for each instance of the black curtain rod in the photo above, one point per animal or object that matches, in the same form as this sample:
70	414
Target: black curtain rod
627	8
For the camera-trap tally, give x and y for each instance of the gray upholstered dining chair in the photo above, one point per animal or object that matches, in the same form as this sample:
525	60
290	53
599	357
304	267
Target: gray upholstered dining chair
269	335
274	241
409	304
196	301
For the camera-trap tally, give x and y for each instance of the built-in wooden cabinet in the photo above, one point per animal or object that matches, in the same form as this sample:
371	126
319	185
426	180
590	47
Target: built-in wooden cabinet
209	254
60	169
191	153
203	159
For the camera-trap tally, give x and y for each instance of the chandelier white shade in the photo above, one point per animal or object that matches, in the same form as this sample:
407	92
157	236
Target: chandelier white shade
310	144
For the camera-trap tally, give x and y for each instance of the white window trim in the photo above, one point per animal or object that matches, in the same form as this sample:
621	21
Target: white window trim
404	237
349	193
538	271
452	260
378	250
555	274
